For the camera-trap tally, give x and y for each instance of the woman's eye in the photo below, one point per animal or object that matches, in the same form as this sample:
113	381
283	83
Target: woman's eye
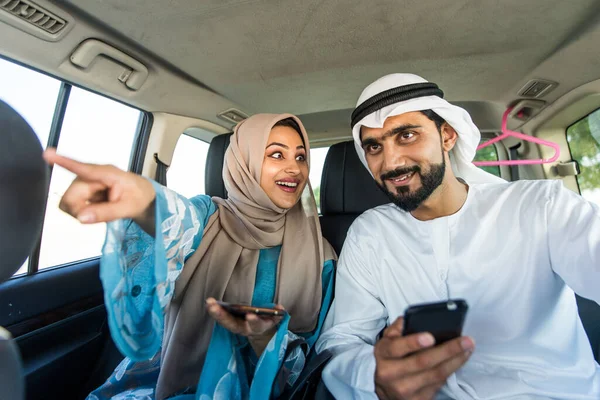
277	155
301	158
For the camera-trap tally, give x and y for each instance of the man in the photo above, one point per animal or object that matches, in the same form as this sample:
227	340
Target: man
514	251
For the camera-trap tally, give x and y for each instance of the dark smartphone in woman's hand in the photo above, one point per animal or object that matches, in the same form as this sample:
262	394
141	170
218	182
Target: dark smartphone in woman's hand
444	320
240	310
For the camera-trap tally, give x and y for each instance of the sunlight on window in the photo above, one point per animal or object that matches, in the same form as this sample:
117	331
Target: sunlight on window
31	94
96	130
186	172
317	160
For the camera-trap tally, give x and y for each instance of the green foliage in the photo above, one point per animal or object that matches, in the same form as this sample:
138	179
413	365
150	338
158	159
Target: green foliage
585	149
488	154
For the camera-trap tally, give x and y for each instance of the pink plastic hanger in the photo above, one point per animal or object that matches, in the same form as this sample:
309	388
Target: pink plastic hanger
508	133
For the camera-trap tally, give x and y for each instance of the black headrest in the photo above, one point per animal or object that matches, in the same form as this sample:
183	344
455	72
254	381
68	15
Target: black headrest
213	174
23	190
346	185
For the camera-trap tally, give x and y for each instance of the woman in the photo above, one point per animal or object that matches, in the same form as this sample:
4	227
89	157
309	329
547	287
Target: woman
261	245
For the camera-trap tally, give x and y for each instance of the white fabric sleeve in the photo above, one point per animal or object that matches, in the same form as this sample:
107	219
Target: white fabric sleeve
574	241
353	324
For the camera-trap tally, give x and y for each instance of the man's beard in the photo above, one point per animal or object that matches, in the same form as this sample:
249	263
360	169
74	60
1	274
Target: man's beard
429	182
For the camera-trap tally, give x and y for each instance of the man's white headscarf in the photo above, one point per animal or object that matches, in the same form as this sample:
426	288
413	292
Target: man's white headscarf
463	153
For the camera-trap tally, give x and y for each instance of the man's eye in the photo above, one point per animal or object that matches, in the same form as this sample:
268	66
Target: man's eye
373	148
407	135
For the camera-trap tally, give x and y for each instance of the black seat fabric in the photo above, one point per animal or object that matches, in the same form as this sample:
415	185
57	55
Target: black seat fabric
213	175
589	312
23	191
347	190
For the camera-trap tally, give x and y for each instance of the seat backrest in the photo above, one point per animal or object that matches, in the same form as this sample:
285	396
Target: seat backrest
213	175
347	190
23	191
589	312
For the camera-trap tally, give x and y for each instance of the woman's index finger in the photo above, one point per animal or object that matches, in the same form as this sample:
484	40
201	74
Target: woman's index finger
83	170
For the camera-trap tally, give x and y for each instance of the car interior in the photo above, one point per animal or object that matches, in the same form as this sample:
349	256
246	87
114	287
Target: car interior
156	87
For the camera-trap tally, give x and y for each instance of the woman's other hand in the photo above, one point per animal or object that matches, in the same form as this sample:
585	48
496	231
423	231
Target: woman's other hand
258	329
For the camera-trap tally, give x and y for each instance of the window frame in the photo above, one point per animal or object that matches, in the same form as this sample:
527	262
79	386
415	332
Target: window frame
136	159
571	151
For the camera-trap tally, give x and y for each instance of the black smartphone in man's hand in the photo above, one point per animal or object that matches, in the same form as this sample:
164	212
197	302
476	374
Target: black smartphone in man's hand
444	320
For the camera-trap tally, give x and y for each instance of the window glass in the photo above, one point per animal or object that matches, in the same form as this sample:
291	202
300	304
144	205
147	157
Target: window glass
317	160
33	95
488	153
97	130
584	142
186	172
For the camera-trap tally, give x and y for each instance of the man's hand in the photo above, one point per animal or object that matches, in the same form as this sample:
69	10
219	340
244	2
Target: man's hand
258	329
411	368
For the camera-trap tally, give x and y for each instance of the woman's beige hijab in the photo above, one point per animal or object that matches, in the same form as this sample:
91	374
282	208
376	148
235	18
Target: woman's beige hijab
224	266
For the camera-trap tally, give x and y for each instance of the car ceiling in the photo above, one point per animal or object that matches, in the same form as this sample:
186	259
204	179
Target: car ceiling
313	57
317	55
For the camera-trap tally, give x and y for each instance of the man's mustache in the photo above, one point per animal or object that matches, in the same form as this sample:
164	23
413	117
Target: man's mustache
399	172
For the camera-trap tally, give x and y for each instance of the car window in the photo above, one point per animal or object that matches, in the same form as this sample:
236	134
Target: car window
97	130
317	160
31	94
489	153
93	129
186	172
584	142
